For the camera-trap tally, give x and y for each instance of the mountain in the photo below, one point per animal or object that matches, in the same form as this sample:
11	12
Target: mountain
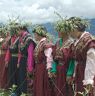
92	26
51	30
50	27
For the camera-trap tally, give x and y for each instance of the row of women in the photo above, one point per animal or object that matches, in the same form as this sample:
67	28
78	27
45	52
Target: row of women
62	69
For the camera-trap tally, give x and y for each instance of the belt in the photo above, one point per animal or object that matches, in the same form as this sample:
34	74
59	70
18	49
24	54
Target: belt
40	62
15	55
61	63
24	56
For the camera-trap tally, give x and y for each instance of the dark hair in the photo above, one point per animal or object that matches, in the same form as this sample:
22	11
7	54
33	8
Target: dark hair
79	23
40	30
81	27
23	28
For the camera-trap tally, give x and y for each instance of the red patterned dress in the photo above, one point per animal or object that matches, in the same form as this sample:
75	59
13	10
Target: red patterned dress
3	69
61	55
43	61
82	46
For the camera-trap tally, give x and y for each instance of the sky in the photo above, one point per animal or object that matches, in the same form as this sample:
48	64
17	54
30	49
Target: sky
42	11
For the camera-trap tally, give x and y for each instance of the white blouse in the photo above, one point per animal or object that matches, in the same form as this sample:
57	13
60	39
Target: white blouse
90	64
48	54
90	67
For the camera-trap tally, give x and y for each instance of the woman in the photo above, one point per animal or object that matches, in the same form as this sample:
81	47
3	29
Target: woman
3	69
43	62
25	59
61	55
12	57
84	50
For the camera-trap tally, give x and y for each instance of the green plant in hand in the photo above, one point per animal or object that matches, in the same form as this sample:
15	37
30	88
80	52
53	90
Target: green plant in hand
23	94
8	92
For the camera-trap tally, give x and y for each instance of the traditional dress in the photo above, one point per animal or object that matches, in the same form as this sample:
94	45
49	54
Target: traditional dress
70	71
12	58
61	55
43	62
3	69
25	60
84	54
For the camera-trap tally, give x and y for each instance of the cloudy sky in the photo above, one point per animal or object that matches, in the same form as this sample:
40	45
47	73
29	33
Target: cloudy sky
41	11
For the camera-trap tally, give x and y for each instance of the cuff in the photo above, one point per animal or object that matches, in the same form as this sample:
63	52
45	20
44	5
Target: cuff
89	81
49	65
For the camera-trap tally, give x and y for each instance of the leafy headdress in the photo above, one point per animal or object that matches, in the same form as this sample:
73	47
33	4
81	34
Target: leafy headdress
78	23
40	30
62	25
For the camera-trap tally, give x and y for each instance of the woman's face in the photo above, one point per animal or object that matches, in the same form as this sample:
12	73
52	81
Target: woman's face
36	36
60	34
20	32
74	34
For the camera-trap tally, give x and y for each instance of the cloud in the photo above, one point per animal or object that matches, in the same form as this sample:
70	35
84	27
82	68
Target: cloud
41	11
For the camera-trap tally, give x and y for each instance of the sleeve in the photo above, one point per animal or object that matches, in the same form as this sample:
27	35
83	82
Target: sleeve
48	54
90	67
7	56
30	60
71	67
